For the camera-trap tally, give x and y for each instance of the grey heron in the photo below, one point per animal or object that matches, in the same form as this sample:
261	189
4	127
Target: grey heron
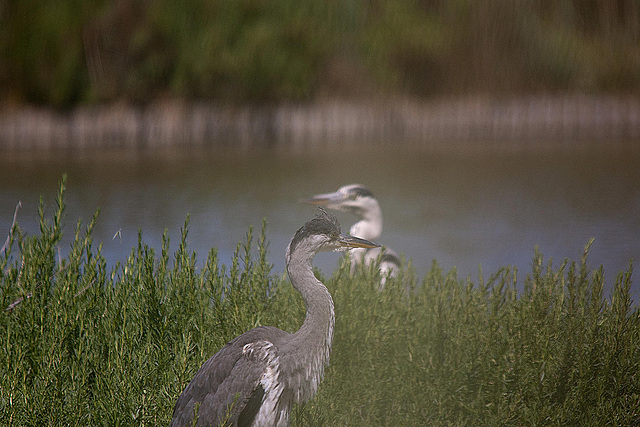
254	379
360	201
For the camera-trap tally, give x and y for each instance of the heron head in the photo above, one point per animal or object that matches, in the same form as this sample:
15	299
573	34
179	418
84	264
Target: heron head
322	233
354	198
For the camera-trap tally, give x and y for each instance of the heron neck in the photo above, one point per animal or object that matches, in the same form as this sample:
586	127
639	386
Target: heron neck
319	320
311	344
370	225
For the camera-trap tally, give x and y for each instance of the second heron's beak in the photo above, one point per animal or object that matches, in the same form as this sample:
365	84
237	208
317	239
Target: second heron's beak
324	199
349	241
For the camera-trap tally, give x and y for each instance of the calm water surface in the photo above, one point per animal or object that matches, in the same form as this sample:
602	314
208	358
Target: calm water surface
464	210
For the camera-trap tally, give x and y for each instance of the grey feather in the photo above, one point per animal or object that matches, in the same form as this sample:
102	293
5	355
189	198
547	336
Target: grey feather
224	384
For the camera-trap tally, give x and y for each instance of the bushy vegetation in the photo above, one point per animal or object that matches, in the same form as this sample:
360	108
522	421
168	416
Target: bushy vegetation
85	345
458	353
69	52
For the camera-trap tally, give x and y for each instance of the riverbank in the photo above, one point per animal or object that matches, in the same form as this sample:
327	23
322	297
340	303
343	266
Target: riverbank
571	121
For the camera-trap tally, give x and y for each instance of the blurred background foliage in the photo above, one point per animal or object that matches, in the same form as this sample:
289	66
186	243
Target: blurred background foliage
69	52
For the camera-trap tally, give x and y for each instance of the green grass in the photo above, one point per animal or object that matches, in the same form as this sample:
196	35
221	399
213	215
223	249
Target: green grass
83	344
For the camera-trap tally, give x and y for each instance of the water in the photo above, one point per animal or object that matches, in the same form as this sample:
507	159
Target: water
462	209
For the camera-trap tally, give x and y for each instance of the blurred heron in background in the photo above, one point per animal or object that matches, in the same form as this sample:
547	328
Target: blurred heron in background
358	200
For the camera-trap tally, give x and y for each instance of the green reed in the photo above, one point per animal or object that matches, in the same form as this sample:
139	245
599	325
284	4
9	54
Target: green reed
83	344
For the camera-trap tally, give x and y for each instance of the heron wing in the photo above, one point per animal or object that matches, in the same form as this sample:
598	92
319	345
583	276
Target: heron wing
226	383
252	407
390	258
384	256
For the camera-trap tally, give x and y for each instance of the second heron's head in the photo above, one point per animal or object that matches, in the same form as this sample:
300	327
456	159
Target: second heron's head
354	198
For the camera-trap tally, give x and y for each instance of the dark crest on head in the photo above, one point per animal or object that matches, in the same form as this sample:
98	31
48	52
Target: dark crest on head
361	191
323	223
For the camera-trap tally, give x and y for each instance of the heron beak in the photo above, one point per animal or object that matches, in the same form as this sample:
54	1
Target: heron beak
349	241
323	199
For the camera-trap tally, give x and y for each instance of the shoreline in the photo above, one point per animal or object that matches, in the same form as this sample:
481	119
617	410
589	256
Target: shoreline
506	123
